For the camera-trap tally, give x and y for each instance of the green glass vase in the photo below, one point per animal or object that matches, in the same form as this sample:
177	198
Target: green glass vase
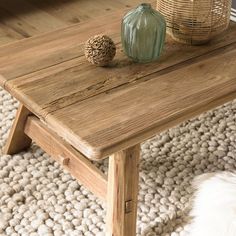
143	33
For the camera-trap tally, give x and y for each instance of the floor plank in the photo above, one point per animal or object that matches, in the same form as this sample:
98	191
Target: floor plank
26	18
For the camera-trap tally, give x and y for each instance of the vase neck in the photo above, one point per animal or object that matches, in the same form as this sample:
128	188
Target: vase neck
144	6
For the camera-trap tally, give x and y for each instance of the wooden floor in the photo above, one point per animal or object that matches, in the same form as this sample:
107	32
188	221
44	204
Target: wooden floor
25	18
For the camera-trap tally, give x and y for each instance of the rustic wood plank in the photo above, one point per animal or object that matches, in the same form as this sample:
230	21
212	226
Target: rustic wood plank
15	24
17	140
128	115
79	87
77	11
62	45
81	81
32	20
49	49
8	35
73	161
123	178
26	18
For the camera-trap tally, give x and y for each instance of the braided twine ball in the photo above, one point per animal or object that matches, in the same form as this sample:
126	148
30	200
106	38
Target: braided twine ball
100	50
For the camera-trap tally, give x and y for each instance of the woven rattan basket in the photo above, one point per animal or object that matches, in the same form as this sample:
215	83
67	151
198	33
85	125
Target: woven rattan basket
195	21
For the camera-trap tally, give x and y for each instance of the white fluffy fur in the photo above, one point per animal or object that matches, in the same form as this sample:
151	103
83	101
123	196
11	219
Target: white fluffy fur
214	207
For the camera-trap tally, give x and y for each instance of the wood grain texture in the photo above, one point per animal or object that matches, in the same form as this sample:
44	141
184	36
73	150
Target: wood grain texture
7	35
78	88
18	140
100	111
33	20
129	114
73	161
65	44
74	11
27	18
123	176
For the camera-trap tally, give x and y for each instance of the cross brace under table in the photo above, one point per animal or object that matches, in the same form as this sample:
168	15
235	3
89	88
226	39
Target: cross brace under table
119	189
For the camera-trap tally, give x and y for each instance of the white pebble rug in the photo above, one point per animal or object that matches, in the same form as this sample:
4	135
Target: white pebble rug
38	198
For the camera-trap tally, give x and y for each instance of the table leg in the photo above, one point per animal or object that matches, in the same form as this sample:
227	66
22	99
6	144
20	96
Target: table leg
18	140
122	194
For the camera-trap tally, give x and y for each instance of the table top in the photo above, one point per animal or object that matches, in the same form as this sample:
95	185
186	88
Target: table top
102	110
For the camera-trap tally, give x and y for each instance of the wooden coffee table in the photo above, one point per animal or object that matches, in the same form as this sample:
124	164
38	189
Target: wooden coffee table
78	112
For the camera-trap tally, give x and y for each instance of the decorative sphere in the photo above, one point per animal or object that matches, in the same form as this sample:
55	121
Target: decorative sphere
100	50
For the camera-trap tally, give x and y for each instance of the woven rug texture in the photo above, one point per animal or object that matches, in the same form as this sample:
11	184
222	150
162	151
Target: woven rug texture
38	198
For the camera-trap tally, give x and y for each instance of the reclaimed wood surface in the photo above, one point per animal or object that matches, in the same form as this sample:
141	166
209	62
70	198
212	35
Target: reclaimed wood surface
26	18
100	111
